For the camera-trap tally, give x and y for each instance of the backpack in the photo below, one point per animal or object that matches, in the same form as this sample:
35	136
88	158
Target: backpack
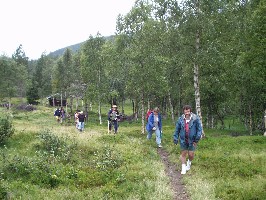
148	114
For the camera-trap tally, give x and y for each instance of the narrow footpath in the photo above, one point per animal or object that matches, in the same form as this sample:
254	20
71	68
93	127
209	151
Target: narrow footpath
175	177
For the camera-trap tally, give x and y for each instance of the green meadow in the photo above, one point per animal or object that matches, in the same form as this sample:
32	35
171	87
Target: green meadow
47	160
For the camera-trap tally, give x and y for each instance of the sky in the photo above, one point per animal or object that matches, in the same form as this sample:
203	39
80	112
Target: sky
43	26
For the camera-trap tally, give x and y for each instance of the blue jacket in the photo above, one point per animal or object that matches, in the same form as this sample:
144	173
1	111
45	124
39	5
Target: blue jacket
195	130
150	122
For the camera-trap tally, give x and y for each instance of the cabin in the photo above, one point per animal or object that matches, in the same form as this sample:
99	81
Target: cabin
53	101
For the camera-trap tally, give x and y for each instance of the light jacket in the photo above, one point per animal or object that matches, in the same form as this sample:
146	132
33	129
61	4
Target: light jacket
150	123
195	129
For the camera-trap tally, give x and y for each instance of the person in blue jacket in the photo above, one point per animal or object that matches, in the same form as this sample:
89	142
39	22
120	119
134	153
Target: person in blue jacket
188	130
154	125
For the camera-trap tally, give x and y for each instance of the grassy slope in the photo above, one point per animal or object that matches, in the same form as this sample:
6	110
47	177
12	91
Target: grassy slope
95	165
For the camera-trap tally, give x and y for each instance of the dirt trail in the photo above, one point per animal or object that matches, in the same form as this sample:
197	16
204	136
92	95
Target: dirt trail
175	177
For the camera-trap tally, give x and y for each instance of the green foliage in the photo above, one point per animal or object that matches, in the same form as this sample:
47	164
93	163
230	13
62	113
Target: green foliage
32	95
3	191
107	160
55	147
6	129
235	165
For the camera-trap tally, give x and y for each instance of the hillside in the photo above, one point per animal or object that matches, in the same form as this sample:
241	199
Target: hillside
74	48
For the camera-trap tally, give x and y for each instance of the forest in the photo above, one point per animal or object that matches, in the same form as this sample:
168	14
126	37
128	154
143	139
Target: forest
210	54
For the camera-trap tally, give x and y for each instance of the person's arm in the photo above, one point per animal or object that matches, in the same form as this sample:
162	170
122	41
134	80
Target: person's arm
109	117
151	120
177	131
117	115
198	130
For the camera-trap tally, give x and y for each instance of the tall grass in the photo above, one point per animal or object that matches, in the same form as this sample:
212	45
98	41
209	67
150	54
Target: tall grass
47	160
226	167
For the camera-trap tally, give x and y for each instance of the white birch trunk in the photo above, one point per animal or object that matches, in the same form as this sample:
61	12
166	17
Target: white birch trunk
61	98
197	94
196	74
77	103
171	108
265	123
142	114
99	112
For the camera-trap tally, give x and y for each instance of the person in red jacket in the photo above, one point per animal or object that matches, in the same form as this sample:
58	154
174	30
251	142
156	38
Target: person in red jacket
149	111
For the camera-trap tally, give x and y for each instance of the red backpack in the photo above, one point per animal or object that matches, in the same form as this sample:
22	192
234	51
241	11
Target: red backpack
148	114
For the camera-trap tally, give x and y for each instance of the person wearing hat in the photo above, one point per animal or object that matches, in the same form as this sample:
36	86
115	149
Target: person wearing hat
113	118
81	119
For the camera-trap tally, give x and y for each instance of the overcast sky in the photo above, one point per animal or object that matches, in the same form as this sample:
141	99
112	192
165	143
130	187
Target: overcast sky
47	25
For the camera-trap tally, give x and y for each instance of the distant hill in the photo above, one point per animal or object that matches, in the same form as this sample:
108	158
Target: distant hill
74	48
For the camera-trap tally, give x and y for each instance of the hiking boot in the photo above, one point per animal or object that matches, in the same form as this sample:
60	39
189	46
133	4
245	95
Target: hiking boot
160	146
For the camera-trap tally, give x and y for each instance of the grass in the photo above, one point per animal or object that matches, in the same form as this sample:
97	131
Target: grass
47	160
227	167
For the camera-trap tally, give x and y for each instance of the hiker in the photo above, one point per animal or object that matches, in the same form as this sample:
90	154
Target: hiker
188	130
57	115
81	118
76	118
154	125
113	118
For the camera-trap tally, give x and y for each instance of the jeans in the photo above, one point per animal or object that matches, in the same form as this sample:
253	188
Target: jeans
115	124
158	136
81	126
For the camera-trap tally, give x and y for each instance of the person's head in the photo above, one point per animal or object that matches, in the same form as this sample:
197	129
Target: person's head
114	107
156	110
187	109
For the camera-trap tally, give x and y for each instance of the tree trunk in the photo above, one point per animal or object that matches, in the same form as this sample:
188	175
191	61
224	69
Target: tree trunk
86	111
250	121
77	103
265	123
71	104
171	108
142	113
197	94
61	99
99	112
133	107
9	103
196	73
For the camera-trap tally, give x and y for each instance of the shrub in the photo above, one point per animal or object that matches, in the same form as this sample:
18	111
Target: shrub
55	147
3	192
6	129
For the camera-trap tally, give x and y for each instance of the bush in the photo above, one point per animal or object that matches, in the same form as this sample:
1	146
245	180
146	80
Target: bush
6	130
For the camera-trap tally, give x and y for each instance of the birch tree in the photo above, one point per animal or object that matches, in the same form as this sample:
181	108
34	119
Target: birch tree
92	70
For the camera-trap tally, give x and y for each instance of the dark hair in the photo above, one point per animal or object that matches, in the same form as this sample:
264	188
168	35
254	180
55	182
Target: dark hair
187	107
